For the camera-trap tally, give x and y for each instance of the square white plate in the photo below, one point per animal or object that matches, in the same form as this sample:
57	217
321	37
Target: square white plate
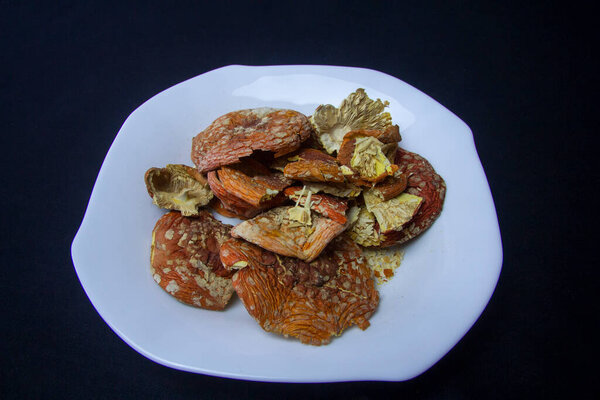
445	281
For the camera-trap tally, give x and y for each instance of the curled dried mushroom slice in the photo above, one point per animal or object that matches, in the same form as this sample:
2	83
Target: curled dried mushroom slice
309	301
312	165
235	205
185	262
357	111
255	189
276	230
314	171
178	187
406	216
368	153
238	134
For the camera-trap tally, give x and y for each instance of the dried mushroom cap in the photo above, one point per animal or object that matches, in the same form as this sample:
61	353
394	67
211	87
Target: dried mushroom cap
241	133
178	187
306	200
357	111
184	259
274	230
233	204
340	190
424	182
255	190
312	302
391	215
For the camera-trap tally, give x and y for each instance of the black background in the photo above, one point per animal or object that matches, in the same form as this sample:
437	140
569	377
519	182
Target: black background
518	73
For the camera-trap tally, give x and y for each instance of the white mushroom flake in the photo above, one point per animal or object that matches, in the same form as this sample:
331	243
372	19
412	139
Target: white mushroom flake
172	287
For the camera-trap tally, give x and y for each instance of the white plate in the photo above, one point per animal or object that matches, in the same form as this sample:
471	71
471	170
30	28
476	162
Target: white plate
447	277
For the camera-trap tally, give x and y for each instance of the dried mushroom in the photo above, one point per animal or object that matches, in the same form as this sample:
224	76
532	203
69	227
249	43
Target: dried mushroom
277	231
299	269
370	153
357	111
369	161
309	301
240	133
233	204
185	262
178	187
391	215
314	171
253	185
328	206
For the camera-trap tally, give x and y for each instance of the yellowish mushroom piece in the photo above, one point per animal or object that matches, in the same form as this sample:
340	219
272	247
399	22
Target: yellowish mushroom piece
299	213
346	190
178	187
363	230
357	111
369	160
393	214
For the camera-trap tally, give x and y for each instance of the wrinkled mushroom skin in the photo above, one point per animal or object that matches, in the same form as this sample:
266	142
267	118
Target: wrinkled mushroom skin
236	206
314	171
254	190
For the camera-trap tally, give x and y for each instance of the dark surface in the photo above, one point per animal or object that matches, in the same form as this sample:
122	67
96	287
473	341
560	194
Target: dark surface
519	75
